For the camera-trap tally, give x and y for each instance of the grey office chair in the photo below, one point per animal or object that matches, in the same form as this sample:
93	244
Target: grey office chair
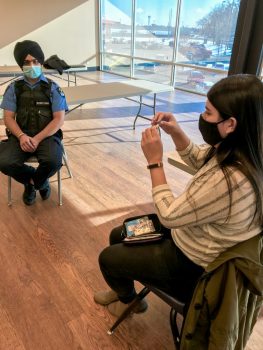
177	307
33	159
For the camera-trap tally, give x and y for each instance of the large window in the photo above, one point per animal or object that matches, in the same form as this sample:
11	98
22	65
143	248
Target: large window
116	17
154	28
205	40
186	43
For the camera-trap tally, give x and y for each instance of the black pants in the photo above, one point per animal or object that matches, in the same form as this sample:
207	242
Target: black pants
161	264
12	159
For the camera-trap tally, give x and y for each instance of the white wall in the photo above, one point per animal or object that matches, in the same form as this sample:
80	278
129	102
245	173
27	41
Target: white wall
71	31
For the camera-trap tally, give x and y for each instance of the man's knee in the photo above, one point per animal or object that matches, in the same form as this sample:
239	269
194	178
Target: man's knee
6	165
52	164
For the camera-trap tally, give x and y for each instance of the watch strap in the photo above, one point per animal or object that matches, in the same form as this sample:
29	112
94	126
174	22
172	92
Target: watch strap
155	165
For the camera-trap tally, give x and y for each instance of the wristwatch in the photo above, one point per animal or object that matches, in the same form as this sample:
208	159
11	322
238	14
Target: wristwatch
155	165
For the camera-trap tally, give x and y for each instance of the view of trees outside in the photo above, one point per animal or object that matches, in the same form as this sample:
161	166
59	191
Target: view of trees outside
206	42
189	46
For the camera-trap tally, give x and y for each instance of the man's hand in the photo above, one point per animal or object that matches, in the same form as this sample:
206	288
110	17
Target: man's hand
27	144
35	141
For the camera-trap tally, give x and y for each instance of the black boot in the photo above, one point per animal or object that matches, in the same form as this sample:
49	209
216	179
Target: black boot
29	195
45	190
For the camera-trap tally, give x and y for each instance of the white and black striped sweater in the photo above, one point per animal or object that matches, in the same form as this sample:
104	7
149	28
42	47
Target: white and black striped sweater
198	216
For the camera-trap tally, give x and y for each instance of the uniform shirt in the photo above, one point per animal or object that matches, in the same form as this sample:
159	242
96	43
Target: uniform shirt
58	100
198	216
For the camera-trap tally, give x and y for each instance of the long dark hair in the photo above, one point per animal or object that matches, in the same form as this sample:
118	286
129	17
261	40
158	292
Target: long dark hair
241	96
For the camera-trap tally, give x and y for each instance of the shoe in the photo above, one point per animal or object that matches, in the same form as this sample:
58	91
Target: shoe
29	195
105	297
117	308
45	190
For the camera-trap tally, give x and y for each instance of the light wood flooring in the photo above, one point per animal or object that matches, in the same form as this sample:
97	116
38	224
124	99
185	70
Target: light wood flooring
48	254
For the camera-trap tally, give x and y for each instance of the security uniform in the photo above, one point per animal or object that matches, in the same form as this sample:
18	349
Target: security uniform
34	106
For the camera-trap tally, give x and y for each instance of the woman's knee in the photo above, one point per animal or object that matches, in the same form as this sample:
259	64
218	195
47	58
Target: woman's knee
113	256
116	235
105	258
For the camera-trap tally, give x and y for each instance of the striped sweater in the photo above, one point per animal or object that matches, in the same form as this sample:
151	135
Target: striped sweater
198	216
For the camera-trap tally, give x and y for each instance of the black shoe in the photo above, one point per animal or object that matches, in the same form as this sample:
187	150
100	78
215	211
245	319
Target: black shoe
45	190
29	195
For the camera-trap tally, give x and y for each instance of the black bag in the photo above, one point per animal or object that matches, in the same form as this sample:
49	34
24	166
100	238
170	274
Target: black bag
142	229
54	62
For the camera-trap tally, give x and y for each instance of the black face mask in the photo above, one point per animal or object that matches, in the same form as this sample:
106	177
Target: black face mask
210	131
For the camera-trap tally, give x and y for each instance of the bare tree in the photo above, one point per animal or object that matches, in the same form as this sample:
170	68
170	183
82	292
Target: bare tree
219	24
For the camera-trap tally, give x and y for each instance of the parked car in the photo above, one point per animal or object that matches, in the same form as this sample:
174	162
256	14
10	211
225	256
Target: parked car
195	51
204	86
195	77
219	65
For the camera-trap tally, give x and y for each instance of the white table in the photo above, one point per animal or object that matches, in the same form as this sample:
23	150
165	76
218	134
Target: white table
175	160
81	94
15	71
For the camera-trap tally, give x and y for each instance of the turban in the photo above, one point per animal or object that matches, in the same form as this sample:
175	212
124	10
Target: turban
28	47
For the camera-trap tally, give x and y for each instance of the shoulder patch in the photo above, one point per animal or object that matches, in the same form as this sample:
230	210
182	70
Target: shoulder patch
60	91
8	87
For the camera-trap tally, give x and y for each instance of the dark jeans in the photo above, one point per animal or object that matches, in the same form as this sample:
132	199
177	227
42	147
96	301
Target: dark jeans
161	264
12	159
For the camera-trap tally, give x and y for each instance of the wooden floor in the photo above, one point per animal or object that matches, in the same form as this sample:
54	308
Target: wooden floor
49	254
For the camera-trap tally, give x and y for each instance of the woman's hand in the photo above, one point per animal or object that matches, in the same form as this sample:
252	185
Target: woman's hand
167	122
151	145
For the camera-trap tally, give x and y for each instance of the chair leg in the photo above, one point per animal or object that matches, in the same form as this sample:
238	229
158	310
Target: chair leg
174	328
59	188
9	191
65	160
129	309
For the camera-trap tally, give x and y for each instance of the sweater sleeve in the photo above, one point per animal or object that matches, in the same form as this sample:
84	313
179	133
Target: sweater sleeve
206	200
194	155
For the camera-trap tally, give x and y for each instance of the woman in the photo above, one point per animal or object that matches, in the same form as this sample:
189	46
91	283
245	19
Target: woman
221	206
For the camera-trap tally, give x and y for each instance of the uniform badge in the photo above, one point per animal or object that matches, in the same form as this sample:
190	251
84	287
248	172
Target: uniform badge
61	92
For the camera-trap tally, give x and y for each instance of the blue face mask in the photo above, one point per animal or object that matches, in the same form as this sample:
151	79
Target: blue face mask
32	72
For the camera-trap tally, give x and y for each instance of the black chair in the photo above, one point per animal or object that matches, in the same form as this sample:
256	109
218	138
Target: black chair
177	307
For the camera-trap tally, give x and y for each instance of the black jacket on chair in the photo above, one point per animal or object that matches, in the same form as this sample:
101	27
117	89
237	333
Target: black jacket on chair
54	62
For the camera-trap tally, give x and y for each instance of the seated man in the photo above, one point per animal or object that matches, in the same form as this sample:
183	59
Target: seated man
34	111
